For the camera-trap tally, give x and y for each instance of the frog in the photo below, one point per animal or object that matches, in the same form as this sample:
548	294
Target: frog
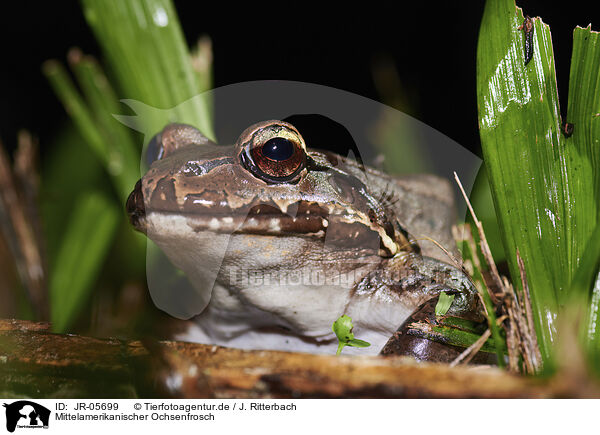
365	244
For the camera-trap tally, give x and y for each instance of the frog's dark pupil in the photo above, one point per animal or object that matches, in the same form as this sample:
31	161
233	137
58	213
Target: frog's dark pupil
278	149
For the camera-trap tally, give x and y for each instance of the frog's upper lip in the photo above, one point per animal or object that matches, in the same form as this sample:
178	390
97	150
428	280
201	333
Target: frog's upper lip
301	217
254	218
136	209
260	218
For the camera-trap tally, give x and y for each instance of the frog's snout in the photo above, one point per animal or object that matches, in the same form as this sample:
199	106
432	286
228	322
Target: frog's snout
135	208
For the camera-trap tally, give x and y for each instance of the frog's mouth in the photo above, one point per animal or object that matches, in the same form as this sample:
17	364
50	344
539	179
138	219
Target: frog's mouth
301	218
261	218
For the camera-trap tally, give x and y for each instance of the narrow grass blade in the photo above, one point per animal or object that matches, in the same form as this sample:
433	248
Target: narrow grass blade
583	147
90	232
584	117
586	288
110	142
473	254
145	49
454	337
123	154
76	108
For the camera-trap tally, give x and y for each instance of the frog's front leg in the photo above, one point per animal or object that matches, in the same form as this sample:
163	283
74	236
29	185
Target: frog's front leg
408	342
415	282
422	279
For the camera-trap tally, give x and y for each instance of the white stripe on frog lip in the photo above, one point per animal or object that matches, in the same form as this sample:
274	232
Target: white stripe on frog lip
202	201
214	224
274	225
229	224
240	207
305	224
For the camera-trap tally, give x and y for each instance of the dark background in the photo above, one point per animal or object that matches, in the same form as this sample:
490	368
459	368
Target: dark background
433	47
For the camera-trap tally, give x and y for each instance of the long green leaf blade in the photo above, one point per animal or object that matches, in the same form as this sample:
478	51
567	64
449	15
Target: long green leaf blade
544	182
584	115
145	48
76	107
90	233
123	155
524	154
583	147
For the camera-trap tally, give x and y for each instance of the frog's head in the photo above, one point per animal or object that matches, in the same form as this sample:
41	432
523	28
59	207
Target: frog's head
267	184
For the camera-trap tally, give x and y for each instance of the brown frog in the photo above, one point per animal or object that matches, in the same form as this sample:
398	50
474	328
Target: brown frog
282	240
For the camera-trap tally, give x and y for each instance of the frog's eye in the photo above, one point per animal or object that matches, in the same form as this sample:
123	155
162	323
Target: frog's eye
273	151
278	157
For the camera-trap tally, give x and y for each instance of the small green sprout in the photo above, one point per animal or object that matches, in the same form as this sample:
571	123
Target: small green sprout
443	304
343	331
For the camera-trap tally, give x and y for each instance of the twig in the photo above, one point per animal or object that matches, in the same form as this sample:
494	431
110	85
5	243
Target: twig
532	344
520	331
472	350
20	233
485	248
452	258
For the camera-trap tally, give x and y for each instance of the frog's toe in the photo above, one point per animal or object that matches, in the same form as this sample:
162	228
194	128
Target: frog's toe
466	305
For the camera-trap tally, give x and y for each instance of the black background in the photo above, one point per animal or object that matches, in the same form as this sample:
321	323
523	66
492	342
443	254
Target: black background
433	46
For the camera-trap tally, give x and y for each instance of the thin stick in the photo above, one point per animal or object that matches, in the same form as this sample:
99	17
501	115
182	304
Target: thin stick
520	331
485	248
468	354
24	245
536	356
439	245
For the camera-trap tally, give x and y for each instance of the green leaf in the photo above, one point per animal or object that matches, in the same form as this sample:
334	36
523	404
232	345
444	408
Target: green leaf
585	279
461	337
540	180
342	328
472	253
462	324
76	108
358	343
456	337
61	188
149	62
145	49
443	303
107	138
90	231
583	152
123	158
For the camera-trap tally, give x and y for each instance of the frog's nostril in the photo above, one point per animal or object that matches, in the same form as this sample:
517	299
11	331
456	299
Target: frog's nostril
135	207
